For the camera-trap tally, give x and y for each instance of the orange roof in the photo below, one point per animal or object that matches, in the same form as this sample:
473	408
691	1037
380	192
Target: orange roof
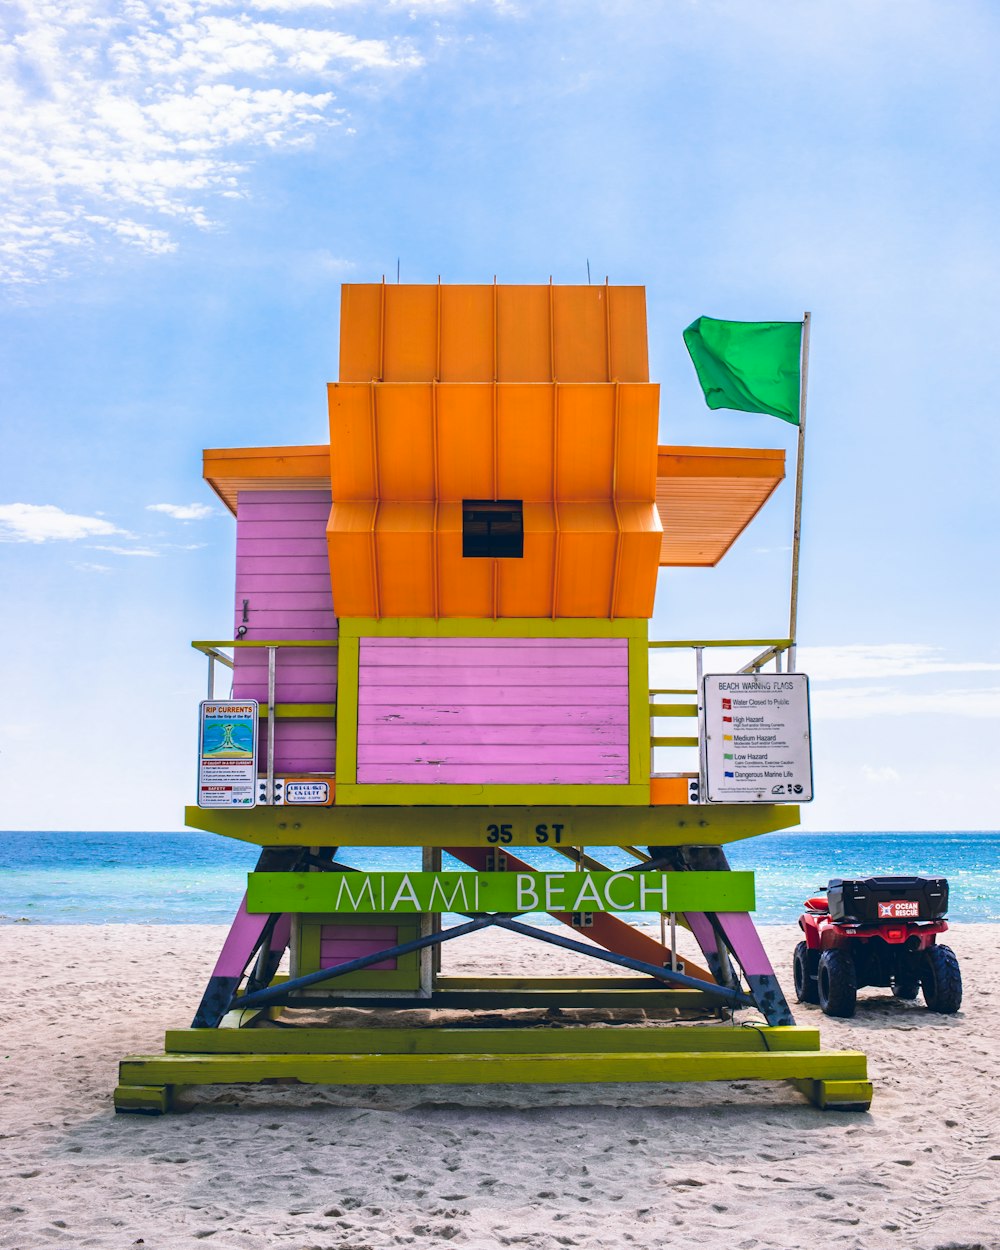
413	333
538	394
707	496
232	469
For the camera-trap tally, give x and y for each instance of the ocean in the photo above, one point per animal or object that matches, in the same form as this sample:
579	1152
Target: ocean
198	878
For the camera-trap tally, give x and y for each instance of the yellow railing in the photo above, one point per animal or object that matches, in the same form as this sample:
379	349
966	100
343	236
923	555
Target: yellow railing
775	649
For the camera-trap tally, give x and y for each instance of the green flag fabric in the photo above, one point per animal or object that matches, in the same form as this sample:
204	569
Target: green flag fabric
752	366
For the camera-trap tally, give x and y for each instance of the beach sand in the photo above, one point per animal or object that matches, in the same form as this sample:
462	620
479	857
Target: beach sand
736	1165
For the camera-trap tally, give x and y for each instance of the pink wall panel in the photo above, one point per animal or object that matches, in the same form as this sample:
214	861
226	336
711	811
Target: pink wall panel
283	573
480	711
418	714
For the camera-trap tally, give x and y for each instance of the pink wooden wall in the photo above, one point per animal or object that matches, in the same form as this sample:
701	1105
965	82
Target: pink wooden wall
340	943
493	710
283	570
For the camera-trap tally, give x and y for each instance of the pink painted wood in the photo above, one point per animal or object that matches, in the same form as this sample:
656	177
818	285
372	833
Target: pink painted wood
493	774
282	570
339	943
510	707
500	735
453	714
240	941
488	674
529	651
738	926
497	696
558	645
491	753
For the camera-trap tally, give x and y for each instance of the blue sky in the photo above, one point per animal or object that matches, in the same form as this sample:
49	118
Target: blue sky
186	184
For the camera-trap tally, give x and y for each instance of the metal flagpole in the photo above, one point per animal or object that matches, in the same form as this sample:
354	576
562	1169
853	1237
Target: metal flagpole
793	605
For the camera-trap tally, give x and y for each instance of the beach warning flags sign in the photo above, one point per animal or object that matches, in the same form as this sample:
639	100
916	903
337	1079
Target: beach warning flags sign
753	366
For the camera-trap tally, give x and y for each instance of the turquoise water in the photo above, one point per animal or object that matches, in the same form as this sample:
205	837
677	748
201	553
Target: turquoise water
197	878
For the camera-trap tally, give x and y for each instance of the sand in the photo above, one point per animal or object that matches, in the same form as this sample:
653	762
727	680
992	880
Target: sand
723	1165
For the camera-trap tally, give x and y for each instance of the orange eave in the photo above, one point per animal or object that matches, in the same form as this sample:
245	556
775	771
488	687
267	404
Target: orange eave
229	470
707	496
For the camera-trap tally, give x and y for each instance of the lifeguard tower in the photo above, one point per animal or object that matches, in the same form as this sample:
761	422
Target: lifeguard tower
441	642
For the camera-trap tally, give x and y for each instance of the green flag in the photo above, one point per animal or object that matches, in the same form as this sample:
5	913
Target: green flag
749	365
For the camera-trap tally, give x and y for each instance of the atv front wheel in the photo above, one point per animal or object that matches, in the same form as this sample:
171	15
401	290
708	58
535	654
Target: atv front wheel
804	965
837	983
941	979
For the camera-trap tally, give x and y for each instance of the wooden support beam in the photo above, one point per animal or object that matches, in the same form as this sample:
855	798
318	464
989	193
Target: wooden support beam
489	1069
836	1095
143	1099
451	1041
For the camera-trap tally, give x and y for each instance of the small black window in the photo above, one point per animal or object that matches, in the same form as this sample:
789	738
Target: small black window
493	527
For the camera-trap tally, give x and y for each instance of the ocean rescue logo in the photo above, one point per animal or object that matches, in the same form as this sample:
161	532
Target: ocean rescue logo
899	909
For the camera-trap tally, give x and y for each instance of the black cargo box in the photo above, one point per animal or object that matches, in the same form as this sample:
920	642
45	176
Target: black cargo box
918	898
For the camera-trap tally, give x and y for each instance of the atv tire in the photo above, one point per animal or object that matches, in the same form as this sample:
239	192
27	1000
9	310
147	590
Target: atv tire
804	965
837	983
941	980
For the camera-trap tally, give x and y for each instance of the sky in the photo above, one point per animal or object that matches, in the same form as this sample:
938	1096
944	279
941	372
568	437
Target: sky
185	184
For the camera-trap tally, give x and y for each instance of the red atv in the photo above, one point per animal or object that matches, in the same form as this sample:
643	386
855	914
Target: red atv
877	931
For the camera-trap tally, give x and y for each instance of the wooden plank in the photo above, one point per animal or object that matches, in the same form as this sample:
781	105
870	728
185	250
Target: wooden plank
347	712
274	599
489	1069
443	713
554	774
320	729
292	663
502	696
262	506
145	1099
673	709
288	694
300	711
254	547
482	652
836	1095
270	620
489	755
281	582
279	529
390	733
587	816
471	676
501	1000
449	1041
640	752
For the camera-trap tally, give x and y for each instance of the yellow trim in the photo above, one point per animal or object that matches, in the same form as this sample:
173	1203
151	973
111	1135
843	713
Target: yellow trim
474	627
300	711
639	750
347	713
351	794
425	825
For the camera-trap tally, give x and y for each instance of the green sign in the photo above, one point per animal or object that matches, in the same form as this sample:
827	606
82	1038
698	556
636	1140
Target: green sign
366	893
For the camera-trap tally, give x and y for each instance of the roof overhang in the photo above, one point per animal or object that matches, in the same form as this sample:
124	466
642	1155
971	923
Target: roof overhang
707	496
232	469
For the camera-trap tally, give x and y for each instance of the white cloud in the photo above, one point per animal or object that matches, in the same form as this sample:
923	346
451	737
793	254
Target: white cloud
125	551
879	775
92	568
40	523
123	119
182	511
860	662
867	702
